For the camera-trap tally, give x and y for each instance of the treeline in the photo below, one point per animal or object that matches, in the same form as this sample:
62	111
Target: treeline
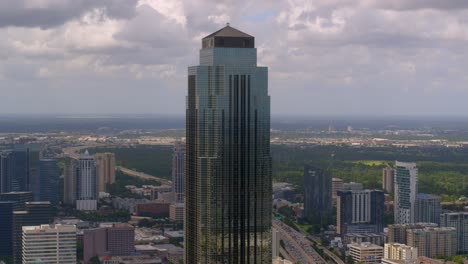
150	159
442	171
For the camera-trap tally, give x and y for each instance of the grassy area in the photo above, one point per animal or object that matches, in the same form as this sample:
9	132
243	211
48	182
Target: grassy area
304	227
373	162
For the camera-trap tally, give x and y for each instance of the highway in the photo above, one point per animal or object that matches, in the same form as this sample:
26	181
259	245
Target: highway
74	152
335	258
297	245
143	175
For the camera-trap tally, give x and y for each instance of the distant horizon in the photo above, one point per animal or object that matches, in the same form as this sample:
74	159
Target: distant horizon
273	115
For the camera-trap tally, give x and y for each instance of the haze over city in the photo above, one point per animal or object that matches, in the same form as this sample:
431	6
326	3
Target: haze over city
362	57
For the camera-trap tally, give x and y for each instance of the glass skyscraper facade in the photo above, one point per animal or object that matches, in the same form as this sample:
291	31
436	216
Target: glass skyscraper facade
228	163
48	184
406	180
178	171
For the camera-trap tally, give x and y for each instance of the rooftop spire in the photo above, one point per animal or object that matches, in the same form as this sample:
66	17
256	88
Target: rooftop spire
228	37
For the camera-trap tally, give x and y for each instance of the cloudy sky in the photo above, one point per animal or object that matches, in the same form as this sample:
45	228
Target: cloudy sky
325	57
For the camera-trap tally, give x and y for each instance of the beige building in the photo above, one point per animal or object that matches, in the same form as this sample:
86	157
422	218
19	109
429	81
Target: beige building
105	170
434	241
366	252
388	174
396	251
397	233
337	185
49	244
279	260
176	212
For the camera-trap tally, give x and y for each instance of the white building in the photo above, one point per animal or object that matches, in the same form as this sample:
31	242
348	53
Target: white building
49	244
86	183
406	182
396	251
366	253
279	260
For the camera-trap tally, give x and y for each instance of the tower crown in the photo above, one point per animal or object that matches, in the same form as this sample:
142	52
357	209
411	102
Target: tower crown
228	37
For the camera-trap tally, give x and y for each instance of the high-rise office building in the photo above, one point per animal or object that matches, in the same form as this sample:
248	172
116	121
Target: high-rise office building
86	183
317	192
388	179
228	164
458	220
6	229
20	199
105	170
7	172
26	163
48	183
36	213
49	244
428	208
360	211
178	171
70	174
406	180
433	241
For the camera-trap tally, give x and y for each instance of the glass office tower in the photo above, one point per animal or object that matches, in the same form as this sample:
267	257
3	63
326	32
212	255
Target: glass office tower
228	163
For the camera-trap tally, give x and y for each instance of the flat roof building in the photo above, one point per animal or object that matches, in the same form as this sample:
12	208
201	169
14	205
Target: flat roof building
49	244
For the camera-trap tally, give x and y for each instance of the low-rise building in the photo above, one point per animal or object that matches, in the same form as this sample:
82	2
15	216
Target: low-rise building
396	251
176	212
159	209
374	238
366	253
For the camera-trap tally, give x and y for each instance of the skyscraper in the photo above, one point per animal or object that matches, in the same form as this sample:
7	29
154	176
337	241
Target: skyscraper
406	182
26	163
86	183
20	199
228	163
48	183
360	211
70	177
388	176
6	229
7	167
428	208
105	170
317	192
49	244
178	171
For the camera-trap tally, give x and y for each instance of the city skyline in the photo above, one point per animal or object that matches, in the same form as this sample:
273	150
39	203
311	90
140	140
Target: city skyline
326	57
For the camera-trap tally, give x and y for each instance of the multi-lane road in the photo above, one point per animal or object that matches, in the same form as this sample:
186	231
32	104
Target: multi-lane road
297	245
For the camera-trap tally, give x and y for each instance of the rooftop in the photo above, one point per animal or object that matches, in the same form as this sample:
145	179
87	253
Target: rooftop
228	37
229	31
